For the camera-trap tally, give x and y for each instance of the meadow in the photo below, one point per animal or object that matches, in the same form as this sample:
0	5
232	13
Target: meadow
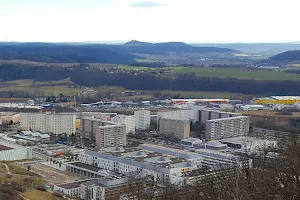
65	87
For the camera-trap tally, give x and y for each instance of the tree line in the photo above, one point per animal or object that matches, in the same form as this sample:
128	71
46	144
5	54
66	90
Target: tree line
148	81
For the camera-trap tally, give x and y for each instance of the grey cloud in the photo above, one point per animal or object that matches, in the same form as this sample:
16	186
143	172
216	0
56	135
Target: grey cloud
146	4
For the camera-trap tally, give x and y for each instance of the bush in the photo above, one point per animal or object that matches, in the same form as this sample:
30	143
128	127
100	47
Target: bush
41	188
58	194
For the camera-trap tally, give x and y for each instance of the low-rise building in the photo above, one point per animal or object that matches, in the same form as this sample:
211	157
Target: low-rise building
178	128
10	152
148	160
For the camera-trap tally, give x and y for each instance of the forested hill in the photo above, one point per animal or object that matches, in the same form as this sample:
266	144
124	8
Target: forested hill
286	56
63	53
164	48
97	53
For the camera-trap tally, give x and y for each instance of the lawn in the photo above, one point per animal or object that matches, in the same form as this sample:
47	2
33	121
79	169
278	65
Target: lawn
19	170
40	195
239	73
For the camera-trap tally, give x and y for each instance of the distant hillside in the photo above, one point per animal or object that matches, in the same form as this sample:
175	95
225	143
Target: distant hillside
138	47
63	53
286	56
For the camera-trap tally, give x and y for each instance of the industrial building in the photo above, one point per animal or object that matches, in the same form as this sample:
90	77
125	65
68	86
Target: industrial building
290	100
227	127
127	120
142	119
178	128
48	123
110	135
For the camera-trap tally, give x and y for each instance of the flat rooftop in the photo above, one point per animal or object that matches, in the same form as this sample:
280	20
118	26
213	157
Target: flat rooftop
244	139
85	166
227	119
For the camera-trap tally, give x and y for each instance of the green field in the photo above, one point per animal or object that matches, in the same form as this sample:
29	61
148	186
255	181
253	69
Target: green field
204	94
145	60
239	73
65	87
126	67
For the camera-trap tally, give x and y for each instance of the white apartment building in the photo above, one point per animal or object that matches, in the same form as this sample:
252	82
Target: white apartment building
227	127
49	123
142	119
110	135
149	160
185	115
127	120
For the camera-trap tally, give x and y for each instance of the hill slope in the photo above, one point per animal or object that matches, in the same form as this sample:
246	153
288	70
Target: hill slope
286	56
166	47
43	52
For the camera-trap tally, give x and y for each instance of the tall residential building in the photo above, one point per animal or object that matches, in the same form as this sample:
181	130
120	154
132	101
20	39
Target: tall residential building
110	135
142	119
49	123
186	115
205	115
178	128
227	127
127	120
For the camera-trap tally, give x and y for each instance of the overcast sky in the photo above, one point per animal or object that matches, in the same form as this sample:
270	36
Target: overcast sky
157	20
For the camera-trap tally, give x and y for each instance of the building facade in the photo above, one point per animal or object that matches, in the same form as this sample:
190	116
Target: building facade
149	160
178	128
142	119
110	135
48	123
127	120
227	127
186	115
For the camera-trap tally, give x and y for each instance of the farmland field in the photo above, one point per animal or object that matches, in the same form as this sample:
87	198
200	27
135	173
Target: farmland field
48	87
239	73
145	60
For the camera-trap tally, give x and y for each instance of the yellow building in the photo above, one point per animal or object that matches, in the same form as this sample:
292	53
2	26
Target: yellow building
77	123
289	100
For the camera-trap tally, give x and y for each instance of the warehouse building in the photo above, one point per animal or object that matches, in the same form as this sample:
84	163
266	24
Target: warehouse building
290	100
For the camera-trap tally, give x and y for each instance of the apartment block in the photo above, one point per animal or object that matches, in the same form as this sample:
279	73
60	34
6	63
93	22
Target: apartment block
88	127
48	123
110	135
142	119
178	128
227	127
186	115
127	120
205	115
